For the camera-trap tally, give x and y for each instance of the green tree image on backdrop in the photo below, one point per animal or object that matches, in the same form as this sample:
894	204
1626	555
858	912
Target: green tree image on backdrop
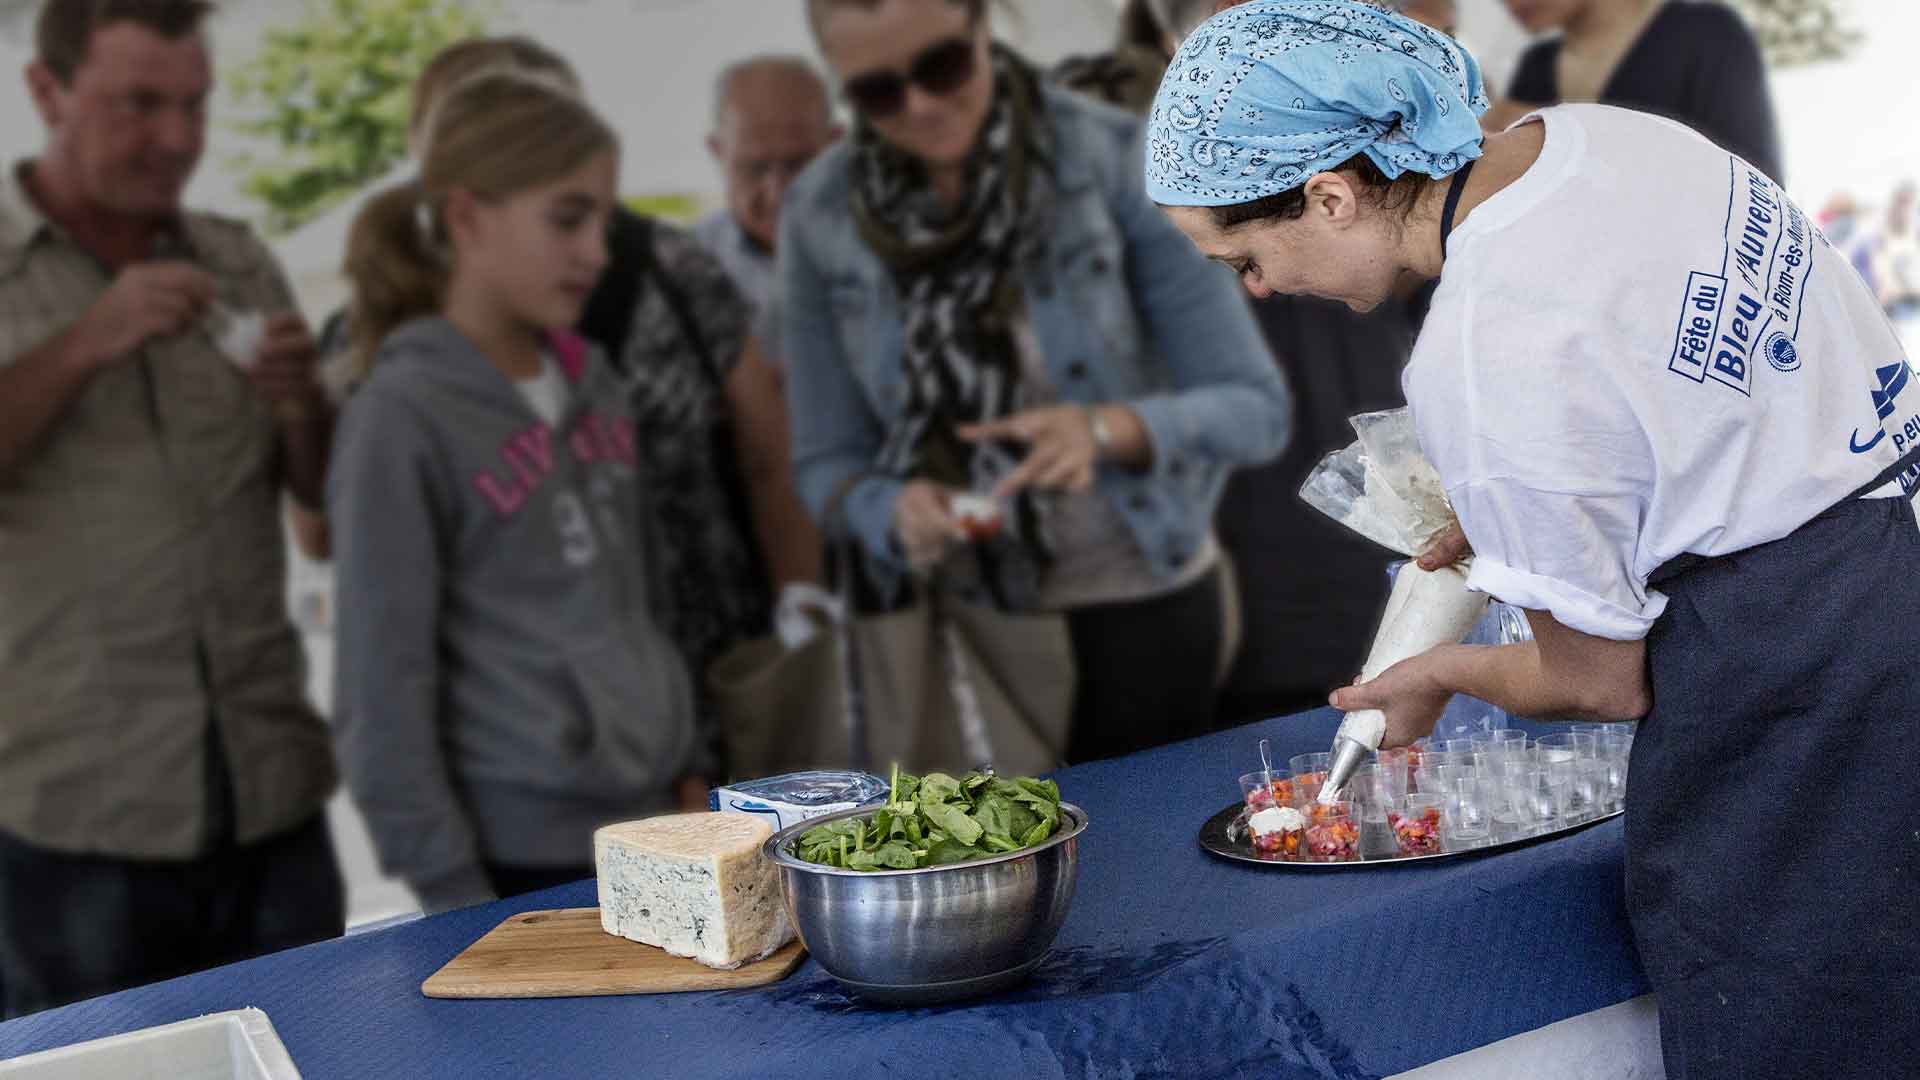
1796	32
329	94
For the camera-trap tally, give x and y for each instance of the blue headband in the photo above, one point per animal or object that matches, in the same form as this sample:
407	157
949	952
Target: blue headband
1266	94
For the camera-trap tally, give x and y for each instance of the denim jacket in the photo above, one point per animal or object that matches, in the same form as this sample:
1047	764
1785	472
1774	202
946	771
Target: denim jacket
1125	310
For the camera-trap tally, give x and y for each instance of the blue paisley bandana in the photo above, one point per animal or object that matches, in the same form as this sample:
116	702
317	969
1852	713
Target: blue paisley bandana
1265	95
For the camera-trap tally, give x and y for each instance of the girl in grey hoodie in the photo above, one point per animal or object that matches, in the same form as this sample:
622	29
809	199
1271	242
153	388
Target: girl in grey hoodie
502	686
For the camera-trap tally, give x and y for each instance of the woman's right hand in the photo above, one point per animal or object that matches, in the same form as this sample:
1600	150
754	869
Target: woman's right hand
924	526
1448	546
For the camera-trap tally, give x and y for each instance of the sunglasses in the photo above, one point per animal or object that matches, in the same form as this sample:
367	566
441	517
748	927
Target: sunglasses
940	68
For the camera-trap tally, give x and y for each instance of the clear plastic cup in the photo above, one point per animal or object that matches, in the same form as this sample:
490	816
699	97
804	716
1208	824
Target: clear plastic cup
1549	756
1578	743
1595	775
1426	781
1442	779
1511	741
1373	790
1489	761
1281	845
1401	761
1579	786
1417	751
1306	787
1309	771
1602	730
1615	752
1534	798
1508	769
1301	764
1374	793
1258	796
1468	818
1416	824
1332	834
1506	822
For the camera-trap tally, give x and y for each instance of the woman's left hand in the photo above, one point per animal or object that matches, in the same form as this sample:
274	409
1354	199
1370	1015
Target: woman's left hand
1061	450
1410	693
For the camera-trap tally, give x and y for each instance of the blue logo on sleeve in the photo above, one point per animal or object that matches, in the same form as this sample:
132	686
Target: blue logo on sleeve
1893	379
1782	354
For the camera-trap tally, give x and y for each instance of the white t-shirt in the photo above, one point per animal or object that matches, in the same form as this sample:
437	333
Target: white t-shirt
1641	349
546	393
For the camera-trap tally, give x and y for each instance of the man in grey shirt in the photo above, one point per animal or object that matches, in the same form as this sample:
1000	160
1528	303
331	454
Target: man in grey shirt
772	116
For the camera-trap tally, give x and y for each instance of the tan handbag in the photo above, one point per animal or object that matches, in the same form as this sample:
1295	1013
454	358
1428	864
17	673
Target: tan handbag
942	684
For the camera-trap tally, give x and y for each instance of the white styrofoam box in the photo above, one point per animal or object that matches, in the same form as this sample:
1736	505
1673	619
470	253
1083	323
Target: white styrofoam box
237	1045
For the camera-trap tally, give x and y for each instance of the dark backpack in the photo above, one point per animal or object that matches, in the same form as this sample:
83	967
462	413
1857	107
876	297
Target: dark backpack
632	265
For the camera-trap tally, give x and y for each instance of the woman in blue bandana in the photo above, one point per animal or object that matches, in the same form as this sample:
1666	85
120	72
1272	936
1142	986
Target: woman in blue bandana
1678	432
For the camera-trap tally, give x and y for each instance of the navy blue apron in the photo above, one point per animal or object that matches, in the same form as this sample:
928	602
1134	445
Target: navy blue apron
1773	805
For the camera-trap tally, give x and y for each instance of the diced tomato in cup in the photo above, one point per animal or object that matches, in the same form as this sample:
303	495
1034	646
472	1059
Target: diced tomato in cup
1336	840
977	515
1416	835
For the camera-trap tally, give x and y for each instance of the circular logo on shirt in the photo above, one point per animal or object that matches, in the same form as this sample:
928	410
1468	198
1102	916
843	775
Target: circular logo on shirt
1782	354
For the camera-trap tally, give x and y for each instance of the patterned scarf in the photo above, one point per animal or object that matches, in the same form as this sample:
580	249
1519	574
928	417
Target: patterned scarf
957	273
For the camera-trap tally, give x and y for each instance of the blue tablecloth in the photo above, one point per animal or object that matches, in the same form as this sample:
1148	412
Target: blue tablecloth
1171	964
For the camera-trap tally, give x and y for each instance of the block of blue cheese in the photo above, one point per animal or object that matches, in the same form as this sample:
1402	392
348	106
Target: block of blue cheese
695	885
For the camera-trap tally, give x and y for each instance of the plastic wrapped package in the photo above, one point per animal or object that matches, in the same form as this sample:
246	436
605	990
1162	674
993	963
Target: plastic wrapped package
796	797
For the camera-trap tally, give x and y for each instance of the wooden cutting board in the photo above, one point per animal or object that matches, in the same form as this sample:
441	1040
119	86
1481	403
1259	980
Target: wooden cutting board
565	953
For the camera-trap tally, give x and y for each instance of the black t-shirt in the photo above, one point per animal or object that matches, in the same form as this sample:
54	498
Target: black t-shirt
1697	63
1311	589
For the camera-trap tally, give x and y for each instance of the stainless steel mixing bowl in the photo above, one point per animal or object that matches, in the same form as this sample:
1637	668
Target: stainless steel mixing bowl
919	937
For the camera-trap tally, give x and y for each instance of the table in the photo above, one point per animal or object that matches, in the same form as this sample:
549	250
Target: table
1171	963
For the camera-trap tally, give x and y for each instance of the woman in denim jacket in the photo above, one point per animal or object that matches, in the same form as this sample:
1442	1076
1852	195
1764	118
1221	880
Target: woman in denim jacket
977	298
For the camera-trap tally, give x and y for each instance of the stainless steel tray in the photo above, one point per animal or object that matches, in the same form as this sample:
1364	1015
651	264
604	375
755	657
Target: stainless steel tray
1215	839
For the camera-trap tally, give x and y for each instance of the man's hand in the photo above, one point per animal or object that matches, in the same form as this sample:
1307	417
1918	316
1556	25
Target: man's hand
146	301
283	369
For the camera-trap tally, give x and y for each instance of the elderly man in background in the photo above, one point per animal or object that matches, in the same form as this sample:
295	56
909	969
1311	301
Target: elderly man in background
772	116
162	778
1442	15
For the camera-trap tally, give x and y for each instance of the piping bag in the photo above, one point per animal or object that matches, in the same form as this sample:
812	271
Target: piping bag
1385	489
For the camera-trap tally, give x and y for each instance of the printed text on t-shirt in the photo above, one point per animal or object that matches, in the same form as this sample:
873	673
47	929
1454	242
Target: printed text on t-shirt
1752	308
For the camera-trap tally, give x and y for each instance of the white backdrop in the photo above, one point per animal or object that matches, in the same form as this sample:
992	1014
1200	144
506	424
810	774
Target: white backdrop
649	64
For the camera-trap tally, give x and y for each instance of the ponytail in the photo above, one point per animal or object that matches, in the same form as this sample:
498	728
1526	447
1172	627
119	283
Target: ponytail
493	134
397	264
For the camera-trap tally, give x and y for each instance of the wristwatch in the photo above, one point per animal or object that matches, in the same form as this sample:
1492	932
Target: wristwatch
1102	434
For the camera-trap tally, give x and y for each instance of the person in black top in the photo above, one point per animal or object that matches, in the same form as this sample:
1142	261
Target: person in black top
1695	62
1309	590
